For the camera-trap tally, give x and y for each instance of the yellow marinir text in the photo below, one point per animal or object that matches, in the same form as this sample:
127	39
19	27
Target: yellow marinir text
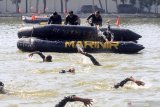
92	44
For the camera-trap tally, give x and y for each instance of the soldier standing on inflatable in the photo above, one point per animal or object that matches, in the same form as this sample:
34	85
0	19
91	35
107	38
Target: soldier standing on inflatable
72	19
55	19
95	19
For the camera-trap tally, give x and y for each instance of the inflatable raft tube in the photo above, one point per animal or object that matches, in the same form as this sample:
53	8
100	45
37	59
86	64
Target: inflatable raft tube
35	21
34	44
58	32
38	19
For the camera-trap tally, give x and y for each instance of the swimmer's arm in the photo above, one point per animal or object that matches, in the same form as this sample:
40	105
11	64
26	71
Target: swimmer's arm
39	53
80	50
63	102
86	101
72	99
122	83
94	61
138	82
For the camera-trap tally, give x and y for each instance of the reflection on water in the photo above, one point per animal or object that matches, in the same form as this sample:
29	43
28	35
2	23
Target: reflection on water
32	83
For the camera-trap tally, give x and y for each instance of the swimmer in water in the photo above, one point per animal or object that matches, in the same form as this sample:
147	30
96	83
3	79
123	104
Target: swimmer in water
73	98
122	83
71	70
47	58
80	50
2	88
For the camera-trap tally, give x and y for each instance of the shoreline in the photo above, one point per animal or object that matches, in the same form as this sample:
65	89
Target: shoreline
86	15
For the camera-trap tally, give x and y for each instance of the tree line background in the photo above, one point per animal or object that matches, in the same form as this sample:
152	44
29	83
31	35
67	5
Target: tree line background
143	4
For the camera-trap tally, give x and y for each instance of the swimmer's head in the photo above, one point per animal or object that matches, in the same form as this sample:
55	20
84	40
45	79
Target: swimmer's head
1	86
116	86
71	70
62	71
49	58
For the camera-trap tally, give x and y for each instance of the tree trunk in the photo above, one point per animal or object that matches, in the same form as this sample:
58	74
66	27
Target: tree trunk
44	9
116	4
66	6
93	9
106	6
100	4
123	1
156	8
61	6
149	9
30	5
17	7
37	3
6	5
26	6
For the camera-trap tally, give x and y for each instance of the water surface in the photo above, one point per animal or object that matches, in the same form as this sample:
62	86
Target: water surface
31	83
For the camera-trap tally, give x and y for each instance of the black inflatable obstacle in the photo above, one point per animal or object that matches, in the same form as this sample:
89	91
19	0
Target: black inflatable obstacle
33	44
58	32
38	19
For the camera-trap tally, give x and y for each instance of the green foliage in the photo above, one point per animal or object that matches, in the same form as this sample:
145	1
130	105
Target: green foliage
132	2
16	1
146	4
123	1
157	2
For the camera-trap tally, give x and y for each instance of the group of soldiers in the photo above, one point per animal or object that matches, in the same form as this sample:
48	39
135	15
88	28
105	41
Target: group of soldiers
93	19
73	19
